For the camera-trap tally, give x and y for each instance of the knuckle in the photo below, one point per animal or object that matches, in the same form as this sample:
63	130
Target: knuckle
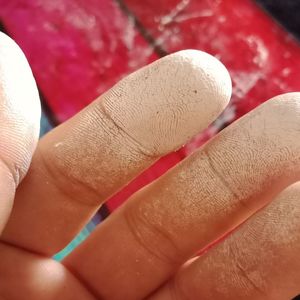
58	176
129	139
250	280
152	237
214	163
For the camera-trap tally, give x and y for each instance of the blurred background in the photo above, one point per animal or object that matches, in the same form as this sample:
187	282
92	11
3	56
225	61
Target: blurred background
80	48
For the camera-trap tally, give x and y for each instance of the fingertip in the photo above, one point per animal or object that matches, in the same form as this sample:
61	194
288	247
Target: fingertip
291	98
284	112
211	69
166	103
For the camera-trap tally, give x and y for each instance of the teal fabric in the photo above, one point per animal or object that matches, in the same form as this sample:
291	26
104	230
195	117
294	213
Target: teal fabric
45	127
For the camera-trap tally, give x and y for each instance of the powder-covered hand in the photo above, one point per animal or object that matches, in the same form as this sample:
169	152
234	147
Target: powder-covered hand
147	249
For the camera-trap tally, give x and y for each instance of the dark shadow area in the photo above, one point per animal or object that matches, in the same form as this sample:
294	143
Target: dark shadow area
143	31
2	29
286	12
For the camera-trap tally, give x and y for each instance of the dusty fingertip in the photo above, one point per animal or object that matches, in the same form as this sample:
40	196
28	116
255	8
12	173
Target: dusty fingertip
213	68
284	108
292	98
164	104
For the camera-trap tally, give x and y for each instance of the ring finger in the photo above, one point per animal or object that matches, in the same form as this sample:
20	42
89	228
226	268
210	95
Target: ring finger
259	261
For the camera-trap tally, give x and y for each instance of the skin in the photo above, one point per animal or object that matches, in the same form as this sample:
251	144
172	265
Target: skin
144	250
259	261
167	221
84	161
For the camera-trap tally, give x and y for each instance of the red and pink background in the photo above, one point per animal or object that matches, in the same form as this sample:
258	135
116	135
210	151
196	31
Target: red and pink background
79	48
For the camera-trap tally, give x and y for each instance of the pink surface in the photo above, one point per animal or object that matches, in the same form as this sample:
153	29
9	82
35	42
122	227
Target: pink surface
77	49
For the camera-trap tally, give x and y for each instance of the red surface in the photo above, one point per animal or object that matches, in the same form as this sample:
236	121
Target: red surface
78	49
263	60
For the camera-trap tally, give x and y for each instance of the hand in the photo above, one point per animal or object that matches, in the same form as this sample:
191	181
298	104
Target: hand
146	249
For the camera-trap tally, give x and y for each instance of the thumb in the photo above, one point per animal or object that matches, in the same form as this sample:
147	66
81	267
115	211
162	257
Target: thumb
19	121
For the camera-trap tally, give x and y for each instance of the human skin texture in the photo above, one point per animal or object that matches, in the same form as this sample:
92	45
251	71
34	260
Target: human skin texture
144	249
259	261
229	179
81	163
19	121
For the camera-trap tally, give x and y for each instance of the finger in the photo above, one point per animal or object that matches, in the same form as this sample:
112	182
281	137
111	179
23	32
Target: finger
258	261
81	163
24	276
19	121
194	204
